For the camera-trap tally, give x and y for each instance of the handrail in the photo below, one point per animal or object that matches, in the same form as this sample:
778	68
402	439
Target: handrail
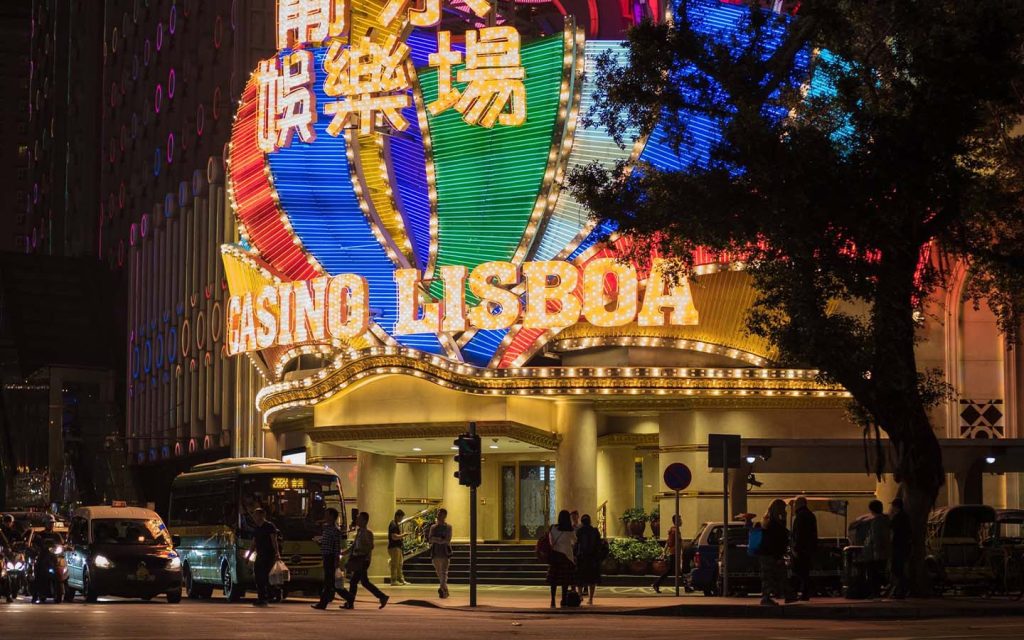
415	529
602	519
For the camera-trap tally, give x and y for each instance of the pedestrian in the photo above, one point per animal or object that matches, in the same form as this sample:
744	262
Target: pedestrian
264	552
590	552
669	554
440	539
574	517
805	545
395	543
330	548
562	560
358	564
877	548
772	555
900	524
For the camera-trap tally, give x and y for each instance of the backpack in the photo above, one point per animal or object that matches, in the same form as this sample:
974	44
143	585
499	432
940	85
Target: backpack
754	540
544	548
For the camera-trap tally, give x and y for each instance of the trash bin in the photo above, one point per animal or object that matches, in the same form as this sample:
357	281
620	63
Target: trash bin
855	583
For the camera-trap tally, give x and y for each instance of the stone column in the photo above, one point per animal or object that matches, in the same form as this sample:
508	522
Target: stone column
576	458
455	498
375	479
616	484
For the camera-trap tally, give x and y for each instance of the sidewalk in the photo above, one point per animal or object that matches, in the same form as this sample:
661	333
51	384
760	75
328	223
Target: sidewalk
643	601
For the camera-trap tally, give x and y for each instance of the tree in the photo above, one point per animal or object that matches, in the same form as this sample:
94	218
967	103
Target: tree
845	198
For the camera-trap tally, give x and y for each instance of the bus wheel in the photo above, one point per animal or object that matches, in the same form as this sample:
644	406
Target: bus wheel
232	590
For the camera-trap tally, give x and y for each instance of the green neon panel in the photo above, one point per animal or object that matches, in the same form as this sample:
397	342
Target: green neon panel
488	179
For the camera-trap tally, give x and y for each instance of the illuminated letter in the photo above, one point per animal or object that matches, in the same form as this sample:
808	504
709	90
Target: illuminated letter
551	304
453	319
595	308
309	310
234	316
660	297
247	326
266	319
285	318
499	308
414	317
348	314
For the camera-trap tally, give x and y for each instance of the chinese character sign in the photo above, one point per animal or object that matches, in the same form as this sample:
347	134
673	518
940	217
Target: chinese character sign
310	21
427	13
372	81
286	104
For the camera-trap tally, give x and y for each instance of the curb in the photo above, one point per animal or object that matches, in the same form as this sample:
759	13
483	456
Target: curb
792	612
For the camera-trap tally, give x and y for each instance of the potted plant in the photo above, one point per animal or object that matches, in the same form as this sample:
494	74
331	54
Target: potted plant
635	520
619	556
655	518
644	553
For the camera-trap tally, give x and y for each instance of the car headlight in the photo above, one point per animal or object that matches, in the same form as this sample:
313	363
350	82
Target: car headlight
251	557
174	563
102	562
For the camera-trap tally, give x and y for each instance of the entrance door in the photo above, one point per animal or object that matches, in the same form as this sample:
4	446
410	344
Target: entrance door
528	500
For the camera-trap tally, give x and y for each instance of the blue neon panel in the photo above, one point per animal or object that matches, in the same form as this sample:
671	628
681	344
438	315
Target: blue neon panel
483	346
315	189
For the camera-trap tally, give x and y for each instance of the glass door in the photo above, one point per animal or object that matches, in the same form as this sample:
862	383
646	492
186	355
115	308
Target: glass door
528	500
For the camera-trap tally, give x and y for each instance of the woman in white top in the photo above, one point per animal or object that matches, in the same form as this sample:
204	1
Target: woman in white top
562	561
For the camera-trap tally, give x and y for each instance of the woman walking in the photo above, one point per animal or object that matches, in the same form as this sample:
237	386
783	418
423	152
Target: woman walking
562	561
589	554
440	539
774	542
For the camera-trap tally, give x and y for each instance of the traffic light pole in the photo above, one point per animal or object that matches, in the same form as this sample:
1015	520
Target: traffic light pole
472	534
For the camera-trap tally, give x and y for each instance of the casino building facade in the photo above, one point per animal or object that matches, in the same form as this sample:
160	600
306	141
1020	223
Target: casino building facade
396	257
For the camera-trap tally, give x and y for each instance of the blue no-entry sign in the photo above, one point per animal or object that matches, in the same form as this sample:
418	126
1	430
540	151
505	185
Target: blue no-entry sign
678	476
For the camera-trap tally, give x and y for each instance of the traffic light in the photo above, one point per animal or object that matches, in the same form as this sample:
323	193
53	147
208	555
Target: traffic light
468	460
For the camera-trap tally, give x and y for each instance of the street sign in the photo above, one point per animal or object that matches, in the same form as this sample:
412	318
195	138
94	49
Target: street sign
723	451
678	476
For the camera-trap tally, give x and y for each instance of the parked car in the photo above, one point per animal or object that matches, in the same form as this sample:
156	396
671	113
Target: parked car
961	553
744	576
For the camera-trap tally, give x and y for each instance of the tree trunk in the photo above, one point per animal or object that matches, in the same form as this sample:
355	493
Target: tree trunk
919	469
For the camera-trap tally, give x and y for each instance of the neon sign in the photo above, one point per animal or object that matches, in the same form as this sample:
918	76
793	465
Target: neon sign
337	308
397	179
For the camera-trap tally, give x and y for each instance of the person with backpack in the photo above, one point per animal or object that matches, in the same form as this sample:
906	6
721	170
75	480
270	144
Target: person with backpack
669	553
440	539
591	550
772	554
805	545
561	557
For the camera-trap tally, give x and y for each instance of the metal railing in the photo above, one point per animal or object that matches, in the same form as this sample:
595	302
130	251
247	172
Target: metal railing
415	529
602	519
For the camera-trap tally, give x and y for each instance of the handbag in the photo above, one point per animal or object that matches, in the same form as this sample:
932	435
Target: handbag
339	578
279	573
573	599
543	549
356	564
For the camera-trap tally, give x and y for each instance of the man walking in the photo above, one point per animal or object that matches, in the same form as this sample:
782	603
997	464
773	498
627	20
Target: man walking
359	564
805	545
330	548
669	554
267	552
440	539
900	524
395	559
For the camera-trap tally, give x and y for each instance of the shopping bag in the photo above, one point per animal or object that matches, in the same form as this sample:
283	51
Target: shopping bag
339	578
279	574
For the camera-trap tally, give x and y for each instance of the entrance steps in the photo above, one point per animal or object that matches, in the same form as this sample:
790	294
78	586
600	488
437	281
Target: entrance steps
498	564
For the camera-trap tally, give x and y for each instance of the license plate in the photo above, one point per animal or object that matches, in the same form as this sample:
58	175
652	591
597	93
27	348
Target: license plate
299	572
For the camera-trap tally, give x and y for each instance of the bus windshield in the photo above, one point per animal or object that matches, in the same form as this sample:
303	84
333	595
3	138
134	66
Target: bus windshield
295	503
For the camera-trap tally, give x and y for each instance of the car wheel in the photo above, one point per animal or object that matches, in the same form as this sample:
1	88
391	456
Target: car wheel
232	590
191	588
69	595
174	597
88	592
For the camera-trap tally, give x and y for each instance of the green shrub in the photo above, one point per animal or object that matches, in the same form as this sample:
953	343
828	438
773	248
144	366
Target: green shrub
634	515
